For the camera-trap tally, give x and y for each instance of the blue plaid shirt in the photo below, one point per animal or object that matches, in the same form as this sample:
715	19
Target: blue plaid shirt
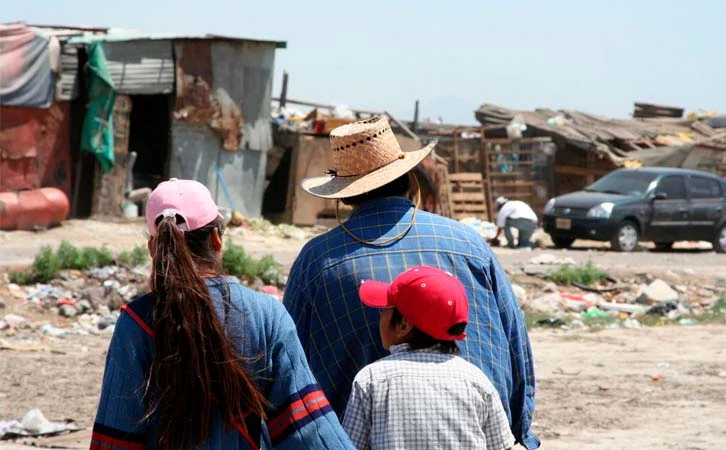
340	335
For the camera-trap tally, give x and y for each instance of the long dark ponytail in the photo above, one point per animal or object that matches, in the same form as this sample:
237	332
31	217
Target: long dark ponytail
195	370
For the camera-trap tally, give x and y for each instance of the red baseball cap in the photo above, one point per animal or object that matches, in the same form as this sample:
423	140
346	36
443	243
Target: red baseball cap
186	198
430	299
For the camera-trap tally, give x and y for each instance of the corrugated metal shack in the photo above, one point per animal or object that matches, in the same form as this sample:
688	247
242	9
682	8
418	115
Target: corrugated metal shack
589	146
190	107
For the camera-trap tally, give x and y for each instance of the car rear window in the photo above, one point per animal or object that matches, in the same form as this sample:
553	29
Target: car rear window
702	187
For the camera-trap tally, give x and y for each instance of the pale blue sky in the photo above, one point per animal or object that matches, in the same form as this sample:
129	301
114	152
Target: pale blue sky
597	56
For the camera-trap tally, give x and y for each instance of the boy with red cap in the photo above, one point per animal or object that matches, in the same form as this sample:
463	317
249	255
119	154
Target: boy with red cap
423	395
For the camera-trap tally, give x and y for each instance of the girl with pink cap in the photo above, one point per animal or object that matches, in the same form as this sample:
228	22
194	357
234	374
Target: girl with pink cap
202	361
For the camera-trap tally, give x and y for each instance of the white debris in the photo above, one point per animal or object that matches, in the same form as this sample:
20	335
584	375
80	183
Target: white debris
658	291
547	259
34	423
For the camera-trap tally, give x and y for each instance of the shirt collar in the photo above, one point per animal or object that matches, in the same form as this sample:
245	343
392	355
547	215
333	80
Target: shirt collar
399	348
383	203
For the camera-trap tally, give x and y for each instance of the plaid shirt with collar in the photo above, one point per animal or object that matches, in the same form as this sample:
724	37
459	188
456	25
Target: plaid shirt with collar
340	335
422	399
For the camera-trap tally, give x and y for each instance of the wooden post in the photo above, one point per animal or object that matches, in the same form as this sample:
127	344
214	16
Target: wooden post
590	177
283	93
456	151
414	125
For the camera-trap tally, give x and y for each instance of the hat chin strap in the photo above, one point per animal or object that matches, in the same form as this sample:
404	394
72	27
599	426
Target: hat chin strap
388	240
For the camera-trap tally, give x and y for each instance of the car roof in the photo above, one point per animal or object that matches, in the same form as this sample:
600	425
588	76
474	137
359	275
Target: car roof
672	171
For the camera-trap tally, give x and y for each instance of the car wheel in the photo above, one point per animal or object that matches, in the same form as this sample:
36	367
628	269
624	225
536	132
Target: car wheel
561	242
626	237
663	246
719	242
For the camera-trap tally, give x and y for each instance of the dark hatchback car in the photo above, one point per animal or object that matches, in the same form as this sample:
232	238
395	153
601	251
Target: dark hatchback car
658	204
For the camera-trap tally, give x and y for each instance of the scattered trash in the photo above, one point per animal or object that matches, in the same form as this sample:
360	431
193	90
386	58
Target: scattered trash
271	290
573	302
102	273
657	292
34	424
239	224
32	347
560	371
113	284
519	292
685	321
663	365
13	321
549	303
631	324
623	307
486	230
554	322
105	322
52	331
291	232
663	308
66	301
68	311
84	306
655	378
595	313
548	259
516	127
557	121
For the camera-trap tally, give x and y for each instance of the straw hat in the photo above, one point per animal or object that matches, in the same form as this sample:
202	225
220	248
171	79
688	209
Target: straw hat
365	156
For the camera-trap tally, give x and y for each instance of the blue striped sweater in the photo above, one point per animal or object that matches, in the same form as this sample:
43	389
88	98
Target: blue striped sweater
299	415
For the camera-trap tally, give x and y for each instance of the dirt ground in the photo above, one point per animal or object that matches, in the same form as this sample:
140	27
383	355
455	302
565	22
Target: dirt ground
595	390
649	388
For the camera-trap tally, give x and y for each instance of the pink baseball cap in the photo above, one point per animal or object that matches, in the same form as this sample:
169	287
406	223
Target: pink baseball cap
431	299
189	199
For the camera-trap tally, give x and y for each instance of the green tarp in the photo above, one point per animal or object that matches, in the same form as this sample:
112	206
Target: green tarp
97	134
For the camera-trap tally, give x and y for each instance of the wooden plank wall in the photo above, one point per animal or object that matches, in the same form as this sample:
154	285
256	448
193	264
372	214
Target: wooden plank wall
108	195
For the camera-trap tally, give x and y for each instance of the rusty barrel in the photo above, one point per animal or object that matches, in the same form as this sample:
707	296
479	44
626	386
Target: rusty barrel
33	209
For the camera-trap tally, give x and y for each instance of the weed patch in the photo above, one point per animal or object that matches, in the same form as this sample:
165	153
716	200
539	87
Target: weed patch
586	274
135	257
48	263
235	261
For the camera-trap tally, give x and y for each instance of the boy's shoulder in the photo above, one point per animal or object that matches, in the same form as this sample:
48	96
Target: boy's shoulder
424	364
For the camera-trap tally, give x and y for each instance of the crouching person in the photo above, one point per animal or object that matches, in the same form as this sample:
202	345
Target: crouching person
423	395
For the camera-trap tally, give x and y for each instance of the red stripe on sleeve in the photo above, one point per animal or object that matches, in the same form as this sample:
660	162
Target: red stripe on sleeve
112	443
138	320
309	404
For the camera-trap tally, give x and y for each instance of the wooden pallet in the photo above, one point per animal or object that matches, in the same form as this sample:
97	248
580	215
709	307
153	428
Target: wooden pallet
508	171
467	195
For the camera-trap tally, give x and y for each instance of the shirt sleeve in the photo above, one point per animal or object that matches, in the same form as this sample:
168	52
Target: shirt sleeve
521	401
502	216
496	427
357	419
296	301
299	415
119	420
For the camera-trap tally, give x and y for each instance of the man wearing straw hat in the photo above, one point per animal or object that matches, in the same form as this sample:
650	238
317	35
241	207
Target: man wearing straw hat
385	235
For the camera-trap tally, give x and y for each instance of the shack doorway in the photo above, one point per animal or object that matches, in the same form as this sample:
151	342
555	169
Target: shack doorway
150	139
